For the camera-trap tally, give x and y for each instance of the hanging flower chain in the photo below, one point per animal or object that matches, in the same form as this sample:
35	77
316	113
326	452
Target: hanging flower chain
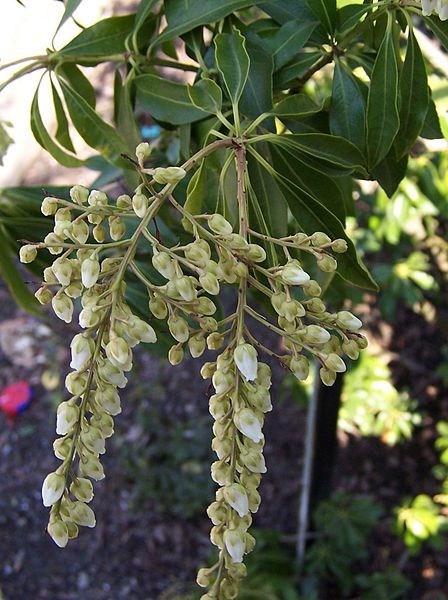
102	354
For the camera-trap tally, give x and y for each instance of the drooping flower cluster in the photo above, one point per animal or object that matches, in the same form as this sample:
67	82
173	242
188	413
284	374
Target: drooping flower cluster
438	7
181	287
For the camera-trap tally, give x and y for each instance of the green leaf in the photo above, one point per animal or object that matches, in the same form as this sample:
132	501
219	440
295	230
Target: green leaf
390	171
383	118
144	10
206	95
439	28
70	7
431	129
77	81
325	11
188	14
62	133
232	62
414	97
46	141
289	39
101	39
202	191
13	279
299	105
312	216
327	148
257	94
166	101
348	110
98	134
296	70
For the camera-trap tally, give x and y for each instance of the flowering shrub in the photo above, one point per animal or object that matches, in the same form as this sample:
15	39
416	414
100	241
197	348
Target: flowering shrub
258	203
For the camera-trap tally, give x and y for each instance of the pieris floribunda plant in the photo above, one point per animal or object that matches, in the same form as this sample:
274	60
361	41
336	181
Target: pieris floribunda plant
256	203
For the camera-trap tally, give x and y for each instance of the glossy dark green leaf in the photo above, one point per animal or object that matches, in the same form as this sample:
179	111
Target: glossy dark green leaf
96	132
383	118
206	95
62	134
78	81
348	107
289	39
296	69
327	148
439	28
11	276
349	16
299	105
270	198
232	62
312	216
390	171
202	191
45	139
145	8
166	100
101	39
325	11
257	94
414	97
188	14
431	129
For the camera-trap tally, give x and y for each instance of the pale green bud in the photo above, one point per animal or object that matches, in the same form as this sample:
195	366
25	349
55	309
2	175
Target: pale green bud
293	274
218	224
222	447
62	447
97	198
80	232
277	301
348	321
222	382
327	263
333	362
198	251
235	495
74	290
241	270
217	513
176	354
340	246
91	467
27	253
235	545
52	488
43	295
88	317
158	308
67	416
248	423
196	345
361	342
264	375
49	206
140	204
171	175
204	578
205	306
210	283
142	152
351	349
99	233
207	370
62	268
221	472
316	334
104	422
63	307
90	270
320	239
315	305
108	399
163	263
117	228
215	341
256	253
51	240
49	276
186	288
82	348
245	357
79	194
178	328
142	331
124	201
83	514
76	382
82	489
312	288
58	532
300	367
327	377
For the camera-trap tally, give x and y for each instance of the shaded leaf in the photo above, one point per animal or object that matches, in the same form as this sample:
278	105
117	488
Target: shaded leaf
257	94
325	11
232	62
289	39
390	171
299	105
101	39
348	109
78	81
62	133
206	95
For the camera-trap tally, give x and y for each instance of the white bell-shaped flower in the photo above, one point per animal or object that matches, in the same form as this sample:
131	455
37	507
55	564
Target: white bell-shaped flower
82	350
90	271
247	422
67	416
235	495
293	274
348	320
58	532
235	544
52	488
245	357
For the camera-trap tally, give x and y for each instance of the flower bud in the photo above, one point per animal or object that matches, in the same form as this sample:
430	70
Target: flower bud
62	447
58	532
245	357
254	461
217	513
333	362
140	204
91	467
67	416
63	307
97	198
327	263
198	251
117	228
43	295
204	578
351	349
76	382
176	354
83	514
207	370
51	241
196	345
186	288
142	331
52	488
221	472
158	308
118	352
108	399
316	334
79	194
293	274
210	283
215	341
124	201
222	382
109	373
220	225
347	320
99	233
362	342
205	306
256	253
163	263
49	206
326	376
142	152
312	288
178	328
300	367
264	375
27	253
82	489
90	270
320	239
171	175
277	301
340	246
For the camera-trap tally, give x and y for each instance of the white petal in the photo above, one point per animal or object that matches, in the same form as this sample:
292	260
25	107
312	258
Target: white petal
52	488
245	357
235	545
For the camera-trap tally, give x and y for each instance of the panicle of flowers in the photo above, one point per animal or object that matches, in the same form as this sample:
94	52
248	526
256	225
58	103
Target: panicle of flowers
438	7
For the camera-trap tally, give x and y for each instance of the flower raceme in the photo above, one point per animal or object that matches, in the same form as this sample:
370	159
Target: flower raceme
438	7
92	261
